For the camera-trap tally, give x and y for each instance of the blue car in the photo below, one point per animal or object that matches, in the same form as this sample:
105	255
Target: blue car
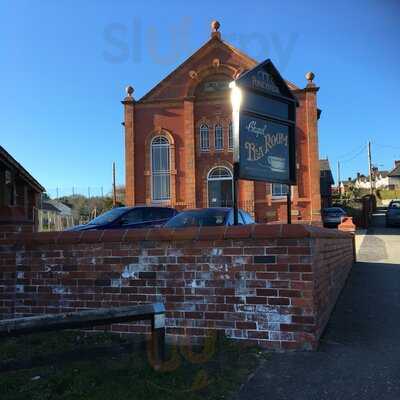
393	214
129	217
218	216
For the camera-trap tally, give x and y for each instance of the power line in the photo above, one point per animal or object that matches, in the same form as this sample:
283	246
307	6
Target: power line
355	155
345	155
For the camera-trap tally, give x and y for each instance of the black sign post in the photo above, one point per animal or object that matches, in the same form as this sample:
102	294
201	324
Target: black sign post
264	123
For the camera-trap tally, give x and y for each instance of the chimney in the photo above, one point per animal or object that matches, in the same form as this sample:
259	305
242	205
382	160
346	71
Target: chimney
358	176
397	163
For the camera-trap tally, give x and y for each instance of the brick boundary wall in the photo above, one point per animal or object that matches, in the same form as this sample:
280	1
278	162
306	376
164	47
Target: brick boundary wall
274	285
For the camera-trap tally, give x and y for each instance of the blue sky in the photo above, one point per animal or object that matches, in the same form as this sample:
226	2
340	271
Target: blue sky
64	66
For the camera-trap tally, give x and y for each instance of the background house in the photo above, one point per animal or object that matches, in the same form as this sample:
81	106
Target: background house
54	216
380	180
19	193
326	182
394	176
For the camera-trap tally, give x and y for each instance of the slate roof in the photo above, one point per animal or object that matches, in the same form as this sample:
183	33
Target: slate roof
56	206
395	172
11	162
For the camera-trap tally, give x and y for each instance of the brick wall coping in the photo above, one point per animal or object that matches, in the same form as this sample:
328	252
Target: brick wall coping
257	231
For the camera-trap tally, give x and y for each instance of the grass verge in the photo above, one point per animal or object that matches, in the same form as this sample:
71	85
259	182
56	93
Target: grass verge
75	365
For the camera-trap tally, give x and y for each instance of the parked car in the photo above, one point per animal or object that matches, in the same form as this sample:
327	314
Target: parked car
129	217
217	216
393	213
332	216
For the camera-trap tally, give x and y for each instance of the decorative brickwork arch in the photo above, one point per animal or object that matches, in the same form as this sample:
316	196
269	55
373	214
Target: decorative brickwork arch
163	133
198	76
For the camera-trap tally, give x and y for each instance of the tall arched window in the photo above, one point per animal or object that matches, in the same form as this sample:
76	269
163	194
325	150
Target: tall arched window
230	136
160	168
204	137
220	187
219	138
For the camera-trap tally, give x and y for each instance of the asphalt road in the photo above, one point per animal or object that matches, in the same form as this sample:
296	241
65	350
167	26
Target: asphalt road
359	355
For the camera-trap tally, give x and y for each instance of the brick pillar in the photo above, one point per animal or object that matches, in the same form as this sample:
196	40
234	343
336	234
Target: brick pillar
129	124
190	154
313	151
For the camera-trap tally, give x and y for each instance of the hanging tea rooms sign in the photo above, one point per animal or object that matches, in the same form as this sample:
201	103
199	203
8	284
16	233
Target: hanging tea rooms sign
264	115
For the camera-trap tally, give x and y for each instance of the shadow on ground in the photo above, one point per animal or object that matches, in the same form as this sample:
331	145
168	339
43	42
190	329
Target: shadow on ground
359	356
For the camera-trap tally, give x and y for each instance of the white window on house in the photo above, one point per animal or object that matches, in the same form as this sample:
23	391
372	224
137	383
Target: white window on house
160	169
204	138
230	136
219	137
279	190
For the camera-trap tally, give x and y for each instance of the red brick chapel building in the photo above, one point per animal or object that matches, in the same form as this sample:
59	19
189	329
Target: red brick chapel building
179	145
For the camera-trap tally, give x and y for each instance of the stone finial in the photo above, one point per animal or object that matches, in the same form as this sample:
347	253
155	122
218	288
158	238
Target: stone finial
129	90
215	25
310	76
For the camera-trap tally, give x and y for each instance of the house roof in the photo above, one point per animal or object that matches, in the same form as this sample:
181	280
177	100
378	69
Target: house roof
324	165
56	206
395	172
325	170
384	174
11	162
212	43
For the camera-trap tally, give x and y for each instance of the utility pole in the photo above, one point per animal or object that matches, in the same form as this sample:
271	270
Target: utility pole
114	187
338	179
370	168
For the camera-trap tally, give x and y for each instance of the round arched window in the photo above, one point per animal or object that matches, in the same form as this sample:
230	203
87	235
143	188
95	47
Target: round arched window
220	187
160	169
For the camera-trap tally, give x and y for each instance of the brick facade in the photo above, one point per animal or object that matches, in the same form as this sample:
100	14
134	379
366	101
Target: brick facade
274	285
176	108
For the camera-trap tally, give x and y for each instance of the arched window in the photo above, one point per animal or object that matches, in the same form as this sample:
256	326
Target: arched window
204	137
219	137
220	187
230	136
160	168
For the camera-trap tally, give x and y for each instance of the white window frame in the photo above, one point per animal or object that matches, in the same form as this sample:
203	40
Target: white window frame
164	143
282	194
230	136
218	137
204	134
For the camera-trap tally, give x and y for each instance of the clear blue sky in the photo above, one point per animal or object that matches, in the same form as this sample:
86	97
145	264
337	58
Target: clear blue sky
64	66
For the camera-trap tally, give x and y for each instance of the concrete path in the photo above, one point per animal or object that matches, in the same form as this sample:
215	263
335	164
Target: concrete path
359	356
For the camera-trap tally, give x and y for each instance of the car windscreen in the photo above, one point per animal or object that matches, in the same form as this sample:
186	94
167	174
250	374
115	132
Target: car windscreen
108	216
198	218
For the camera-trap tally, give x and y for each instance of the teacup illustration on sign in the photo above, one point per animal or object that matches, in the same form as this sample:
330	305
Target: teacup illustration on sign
277	164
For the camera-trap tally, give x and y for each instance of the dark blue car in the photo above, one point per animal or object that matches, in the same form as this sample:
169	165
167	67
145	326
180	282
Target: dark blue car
129	217
214	216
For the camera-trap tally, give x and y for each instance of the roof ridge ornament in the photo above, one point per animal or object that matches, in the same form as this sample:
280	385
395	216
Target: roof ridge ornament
129	92
310	77
215	25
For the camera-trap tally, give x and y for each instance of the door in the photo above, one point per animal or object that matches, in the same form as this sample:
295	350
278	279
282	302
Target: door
220	187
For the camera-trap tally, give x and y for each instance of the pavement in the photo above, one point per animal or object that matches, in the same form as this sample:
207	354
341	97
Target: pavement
359	355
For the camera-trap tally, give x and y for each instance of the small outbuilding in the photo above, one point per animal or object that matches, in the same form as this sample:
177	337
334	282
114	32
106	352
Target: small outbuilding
20	193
